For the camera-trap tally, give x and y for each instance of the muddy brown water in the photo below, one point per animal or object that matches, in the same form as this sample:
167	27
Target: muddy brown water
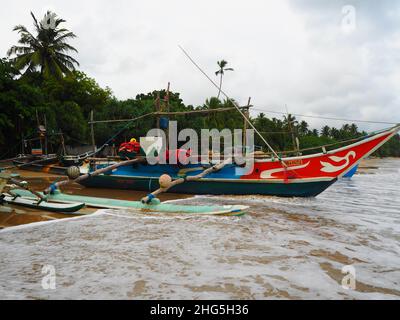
284	248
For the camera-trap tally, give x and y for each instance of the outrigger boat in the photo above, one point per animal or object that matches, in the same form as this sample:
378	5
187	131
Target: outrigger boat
56	201
165	207
31	199
298	176
34	203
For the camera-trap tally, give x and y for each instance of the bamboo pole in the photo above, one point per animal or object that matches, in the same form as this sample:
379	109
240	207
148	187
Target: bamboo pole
92	130
166	107
26	187
157	107
247	115
63	144
45	135
56	185
199	176
38	128
160	113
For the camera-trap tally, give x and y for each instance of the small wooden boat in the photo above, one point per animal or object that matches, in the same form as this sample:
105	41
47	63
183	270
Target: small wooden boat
32	202
32	199
46	164
76	160
229	210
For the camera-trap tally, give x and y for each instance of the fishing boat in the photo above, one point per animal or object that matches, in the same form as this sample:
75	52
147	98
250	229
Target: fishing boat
71	207
297	176
45	163
31	199
75	160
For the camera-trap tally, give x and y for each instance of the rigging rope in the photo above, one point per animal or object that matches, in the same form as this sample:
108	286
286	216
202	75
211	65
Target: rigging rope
323	117
235	104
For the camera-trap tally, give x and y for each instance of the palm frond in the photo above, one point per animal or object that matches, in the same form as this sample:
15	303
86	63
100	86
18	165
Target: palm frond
64	47
64	36
22	61
36	23
58	21
67	58
222	63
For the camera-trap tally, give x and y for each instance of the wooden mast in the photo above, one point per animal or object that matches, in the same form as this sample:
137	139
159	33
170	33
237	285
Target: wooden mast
166	106
45	135
92	130
157	109
247	115
38	128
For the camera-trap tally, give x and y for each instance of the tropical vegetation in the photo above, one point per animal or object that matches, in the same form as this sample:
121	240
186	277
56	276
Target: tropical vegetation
39	84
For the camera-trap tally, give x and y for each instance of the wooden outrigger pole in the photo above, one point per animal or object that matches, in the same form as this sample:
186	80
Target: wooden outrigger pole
58	184
169	185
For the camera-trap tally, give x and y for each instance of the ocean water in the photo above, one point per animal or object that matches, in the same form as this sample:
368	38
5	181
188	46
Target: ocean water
282	249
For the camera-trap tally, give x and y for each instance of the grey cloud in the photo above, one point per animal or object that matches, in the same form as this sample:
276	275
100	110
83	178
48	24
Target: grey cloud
284	52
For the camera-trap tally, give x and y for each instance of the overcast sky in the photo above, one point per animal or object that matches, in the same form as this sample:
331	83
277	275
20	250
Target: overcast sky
316	57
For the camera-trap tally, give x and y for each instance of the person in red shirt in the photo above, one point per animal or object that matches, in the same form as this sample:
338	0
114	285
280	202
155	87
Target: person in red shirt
129	149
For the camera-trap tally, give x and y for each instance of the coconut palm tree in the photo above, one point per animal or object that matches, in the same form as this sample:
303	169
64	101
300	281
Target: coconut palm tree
354	130
303	128
46	50
325	131
221	71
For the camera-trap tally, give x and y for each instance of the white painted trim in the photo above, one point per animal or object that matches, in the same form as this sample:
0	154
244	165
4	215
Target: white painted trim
394	130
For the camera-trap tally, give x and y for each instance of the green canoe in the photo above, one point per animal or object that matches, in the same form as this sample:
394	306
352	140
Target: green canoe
32	202
234	210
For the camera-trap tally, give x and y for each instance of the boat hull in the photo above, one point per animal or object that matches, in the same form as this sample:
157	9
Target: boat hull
351	173
205	186
38	167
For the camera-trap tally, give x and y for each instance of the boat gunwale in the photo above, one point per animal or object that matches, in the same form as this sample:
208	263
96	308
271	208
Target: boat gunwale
392	131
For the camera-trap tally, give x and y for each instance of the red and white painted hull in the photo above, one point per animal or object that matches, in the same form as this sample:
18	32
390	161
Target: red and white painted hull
330	165
301	176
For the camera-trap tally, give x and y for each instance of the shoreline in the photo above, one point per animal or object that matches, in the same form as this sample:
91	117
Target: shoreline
11	215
